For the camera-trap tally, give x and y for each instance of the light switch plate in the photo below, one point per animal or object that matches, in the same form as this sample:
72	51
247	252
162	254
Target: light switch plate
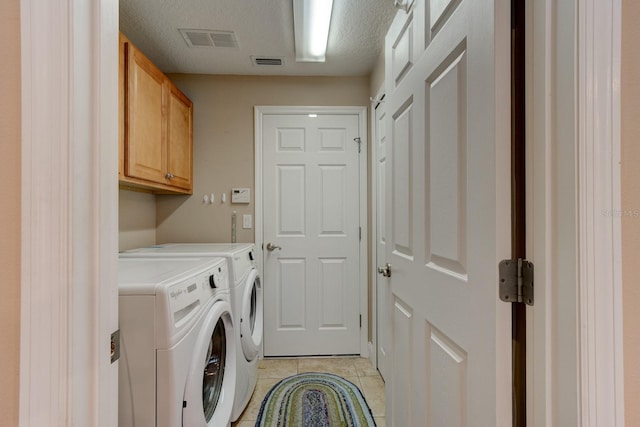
246	221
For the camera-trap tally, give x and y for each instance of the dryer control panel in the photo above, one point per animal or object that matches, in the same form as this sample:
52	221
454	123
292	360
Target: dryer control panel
187	298
219	277
243	262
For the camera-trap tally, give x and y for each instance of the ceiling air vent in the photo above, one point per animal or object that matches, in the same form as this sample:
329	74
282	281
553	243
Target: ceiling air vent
263	60
209	38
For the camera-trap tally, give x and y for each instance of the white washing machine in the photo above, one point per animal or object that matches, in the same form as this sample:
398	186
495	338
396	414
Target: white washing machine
178	354
246	303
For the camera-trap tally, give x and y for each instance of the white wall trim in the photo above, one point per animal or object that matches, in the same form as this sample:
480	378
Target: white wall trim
45	393
373	345
259	112
574	338
69	212
599	206
538	212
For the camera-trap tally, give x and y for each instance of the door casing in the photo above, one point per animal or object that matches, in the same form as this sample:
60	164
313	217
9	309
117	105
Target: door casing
69	284
105	25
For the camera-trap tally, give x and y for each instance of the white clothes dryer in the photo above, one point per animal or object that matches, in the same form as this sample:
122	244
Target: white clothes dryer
246	304
178	353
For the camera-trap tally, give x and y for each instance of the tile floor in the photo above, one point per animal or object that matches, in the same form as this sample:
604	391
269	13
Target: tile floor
358	370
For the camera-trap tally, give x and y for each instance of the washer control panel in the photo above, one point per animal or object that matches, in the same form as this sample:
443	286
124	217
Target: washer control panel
190	295
219	277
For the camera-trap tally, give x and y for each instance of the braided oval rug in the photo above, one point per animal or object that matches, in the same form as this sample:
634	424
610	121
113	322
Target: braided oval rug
314	400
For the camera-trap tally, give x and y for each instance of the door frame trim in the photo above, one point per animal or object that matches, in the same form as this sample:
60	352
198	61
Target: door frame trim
69	293
373	345
361	112
573	234
599	208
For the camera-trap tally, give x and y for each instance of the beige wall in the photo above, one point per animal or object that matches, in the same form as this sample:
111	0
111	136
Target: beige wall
377	75
9	211
223	145
630	89
137	219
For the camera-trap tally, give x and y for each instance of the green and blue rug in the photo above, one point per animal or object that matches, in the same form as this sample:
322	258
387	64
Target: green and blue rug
314	400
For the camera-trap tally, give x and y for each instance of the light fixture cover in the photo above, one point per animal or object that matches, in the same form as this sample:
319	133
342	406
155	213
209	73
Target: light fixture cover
311	19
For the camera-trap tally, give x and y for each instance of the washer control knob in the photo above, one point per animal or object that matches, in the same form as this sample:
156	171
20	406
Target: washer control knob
212	281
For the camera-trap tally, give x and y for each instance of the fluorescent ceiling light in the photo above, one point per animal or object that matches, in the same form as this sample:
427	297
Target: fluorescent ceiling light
311	20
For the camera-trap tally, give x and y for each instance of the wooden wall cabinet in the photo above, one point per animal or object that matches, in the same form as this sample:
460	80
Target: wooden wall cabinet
156	127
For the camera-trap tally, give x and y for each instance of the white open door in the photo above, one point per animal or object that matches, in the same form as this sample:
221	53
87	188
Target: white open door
448	213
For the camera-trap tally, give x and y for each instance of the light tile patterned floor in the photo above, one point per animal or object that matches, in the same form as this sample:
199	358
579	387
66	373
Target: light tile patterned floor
358	370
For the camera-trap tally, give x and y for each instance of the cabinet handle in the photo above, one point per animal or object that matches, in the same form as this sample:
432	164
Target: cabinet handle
169	175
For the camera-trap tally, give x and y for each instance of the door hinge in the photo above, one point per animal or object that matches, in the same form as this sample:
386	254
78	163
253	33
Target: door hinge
359	142
516	281
361	321
360	233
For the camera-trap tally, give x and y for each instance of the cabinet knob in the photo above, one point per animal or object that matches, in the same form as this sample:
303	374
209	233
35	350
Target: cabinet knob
169	175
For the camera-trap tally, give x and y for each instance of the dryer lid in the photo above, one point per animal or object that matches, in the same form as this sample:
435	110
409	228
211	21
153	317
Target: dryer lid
145	276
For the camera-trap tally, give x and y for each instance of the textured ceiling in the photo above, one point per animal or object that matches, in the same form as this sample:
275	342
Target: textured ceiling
262	27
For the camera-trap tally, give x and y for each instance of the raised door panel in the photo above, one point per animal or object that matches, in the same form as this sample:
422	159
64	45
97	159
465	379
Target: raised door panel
439	12
401	56
290	287
446	106
402	189
146	125
291	208
446	366
180	137
333	310
333	200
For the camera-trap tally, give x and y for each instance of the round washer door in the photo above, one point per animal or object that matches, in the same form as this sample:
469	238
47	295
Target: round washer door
251	322
210	386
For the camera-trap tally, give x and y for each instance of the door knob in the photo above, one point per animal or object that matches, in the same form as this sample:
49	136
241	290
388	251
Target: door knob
169	175
271	247
385	271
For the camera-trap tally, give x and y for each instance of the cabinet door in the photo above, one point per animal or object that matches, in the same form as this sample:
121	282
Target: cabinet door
179	144
146	124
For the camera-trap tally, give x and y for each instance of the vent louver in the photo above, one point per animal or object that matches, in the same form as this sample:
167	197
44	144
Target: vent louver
262	60
209	38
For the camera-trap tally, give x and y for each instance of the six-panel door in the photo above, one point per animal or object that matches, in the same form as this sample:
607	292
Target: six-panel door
448	213
311	211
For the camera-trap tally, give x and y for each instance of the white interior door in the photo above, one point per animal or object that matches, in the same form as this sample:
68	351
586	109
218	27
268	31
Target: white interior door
311	185
448	213
383	285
